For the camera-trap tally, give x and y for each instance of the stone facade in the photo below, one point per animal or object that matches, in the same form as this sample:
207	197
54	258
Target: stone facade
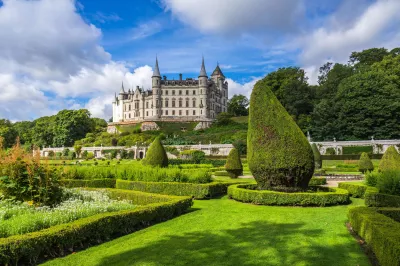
173	100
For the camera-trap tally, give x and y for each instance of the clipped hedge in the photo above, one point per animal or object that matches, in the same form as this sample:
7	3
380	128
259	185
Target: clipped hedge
375	199
31	248
94	183
393	213
221	173
247	193
349	157
198	191
355	190
381	233
317	181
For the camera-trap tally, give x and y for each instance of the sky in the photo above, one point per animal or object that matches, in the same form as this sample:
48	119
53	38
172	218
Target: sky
67	54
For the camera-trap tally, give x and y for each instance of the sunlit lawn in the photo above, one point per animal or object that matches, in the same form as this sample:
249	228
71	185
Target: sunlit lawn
225	232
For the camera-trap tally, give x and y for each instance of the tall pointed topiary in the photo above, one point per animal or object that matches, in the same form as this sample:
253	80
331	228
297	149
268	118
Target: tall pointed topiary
156	155
390	160
365	164
278	153
233	164
317	156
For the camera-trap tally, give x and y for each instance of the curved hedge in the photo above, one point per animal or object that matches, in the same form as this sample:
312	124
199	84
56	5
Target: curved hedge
381	233
29	248
278	153
242	193
197	191
317	181
375	199
357	190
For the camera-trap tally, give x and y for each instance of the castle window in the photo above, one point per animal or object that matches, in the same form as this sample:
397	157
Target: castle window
161	112
173	92
194	102
194	92
156	103
173	102
129	115
129	107
194	112
158	82
187	92
166	112
173	112
201	91
166	92
180	112
187	102
166	103
187	112
161	92
157	112
180	102
147	113
201	102
147	104
180	92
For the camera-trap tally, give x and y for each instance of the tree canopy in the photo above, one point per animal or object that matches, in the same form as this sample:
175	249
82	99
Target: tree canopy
237	105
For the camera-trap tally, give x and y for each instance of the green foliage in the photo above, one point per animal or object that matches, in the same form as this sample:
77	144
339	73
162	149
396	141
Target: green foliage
237	105
317	181
323	196
197	191
365	163
233	164
381	233
241	146
317	156
171	149
389	182
278	153
391	212
356	190
194	155
29	248
156	155
375	199
8	133
371	178
390	160
90	155
330	151
223	119
358	150
93	183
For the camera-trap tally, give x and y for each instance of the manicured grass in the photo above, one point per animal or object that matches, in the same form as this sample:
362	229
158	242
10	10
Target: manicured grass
226	232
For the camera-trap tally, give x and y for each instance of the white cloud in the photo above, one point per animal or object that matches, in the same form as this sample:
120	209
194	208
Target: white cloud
237	16
145	30
238	88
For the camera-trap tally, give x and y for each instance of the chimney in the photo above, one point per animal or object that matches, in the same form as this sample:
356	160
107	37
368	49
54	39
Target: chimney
180	76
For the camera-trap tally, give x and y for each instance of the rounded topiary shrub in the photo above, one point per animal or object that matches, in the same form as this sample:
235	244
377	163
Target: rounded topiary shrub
317	156
156	155
365	163
390	160
278	153
233	164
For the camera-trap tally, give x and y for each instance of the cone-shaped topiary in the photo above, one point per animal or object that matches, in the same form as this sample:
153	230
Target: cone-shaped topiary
317	156
365	163
233	164
278	153
390	160
156	155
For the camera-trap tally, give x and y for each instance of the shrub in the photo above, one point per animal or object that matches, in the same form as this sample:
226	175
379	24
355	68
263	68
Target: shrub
375	199
197	191
156	155
65	152
84	154
381	233
317	156
355	190
278	153
241	146
390	160
371	178
194	155
29	248
330	151
248	193
173	150
233	164
389	182
90	155
365	163
94	183
317	181
221	173
358	150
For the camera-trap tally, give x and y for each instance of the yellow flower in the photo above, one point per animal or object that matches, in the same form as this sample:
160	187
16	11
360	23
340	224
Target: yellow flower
30	203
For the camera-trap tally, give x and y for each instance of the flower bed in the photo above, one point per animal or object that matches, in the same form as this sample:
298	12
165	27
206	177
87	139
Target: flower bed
248	193
32	247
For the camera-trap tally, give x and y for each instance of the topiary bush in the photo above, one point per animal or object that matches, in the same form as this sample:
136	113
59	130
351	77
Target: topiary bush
278	153
388	182
390	160
233	164
156	155
317	156
365	163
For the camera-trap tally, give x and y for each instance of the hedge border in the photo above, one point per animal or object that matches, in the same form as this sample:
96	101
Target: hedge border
93	183
52	242
197	191
390	212
375	199
317	181
355	190
241	193
381	233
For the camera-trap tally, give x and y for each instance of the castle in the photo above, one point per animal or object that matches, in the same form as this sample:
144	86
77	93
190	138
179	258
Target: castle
188	100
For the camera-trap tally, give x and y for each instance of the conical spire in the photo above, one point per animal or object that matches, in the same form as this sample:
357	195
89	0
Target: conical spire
203	72
217	71
156	72
116	99
122	88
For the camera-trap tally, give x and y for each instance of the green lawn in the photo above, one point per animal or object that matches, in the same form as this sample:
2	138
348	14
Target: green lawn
225	232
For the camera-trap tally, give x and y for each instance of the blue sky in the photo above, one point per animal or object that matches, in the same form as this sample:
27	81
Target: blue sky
75	54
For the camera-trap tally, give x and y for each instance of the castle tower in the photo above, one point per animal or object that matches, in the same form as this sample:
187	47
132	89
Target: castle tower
156	88
203	90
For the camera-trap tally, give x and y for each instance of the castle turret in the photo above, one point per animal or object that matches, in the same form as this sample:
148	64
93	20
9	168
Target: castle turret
203	89
156	88
121	92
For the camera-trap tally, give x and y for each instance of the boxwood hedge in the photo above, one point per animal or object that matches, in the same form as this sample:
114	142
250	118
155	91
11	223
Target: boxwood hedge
95	183
198	191
355	190
248	193
33	247
375	199
381	233
317	181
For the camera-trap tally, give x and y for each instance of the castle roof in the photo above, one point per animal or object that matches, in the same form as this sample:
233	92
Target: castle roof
156	72
122	88
203	72
217	72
